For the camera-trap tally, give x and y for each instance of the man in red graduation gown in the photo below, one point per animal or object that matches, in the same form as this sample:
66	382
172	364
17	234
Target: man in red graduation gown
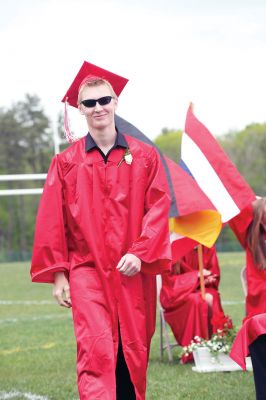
101	236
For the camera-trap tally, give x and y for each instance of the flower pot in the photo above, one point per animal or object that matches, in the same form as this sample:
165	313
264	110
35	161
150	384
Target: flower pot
202	357
206	362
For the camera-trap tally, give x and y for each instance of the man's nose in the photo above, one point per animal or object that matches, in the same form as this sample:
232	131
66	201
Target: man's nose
97	106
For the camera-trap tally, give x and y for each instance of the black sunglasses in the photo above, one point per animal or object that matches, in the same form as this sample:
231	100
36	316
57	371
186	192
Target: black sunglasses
89	103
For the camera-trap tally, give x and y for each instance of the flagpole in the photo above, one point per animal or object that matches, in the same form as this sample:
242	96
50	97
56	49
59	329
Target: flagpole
202	284
200	259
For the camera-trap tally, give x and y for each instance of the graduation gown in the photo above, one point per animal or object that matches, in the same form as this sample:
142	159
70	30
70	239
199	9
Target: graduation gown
251	329
184	309
254	324
256	278
92	213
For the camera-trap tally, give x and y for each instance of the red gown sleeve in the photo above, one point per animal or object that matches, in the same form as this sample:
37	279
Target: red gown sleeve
153	244
240	223
251	329
50	252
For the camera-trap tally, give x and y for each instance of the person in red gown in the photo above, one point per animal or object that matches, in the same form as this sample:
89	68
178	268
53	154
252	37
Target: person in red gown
101	237
250	228
184	309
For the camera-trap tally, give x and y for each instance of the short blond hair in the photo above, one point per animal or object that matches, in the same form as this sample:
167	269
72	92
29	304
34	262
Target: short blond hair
96	82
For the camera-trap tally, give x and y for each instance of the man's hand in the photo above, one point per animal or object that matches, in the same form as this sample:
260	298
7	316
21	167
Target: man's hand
129	265
61	290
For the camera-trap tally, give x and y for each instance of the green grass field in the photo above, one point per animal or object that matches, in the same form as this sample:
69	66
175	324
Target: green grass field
37	345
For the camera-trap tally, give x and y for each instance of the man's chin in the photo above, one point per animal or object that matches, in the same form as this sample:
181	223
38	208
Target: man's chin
101	124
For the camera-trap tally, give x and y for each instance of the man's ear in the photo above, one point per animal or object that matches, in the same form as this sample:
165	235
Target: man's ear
116	103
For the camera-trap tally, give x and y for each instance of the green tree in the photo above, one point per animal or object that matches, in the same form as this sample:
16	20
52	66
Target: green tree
247	150
26	147
11	150
169	142
36	135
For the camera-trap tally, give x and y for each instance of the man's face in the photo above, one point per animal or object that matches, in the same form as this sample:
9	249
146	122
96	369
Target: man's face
98	117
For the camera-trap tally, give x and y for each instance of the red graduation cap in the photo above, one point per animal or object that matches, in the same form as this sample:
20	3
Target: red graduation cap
88	71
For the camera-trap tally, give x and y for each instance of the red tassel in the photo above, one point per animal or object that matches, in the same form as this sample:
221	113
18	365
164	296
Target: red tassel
70	136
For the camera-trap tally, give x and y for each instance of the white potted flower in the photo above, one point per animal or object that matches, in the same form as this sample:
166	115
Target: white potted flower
213	354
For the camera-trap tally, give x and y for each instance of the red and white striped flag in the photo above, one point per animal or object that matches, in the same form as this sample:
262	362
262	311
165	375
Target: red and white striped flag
211	168
225	191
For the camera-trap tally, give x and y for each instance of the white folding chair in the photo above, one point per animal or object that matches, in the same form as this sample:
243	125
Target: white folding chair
165	343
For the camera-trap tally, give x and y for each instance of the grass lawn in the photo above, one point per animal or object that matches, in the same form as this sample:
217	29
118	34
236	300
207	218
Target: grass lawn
37	346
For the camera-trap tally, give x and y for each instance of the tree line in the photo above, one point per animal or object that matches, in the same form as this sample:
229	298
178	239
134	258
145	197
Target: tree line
27	147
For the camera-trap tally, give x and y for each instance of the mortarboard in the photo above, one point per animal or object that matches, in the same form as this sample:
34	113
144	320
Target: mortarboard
88	71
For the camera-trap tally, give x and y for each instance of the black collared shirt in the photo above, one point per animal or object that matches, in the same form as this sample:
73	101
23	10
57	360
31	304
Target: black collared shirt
90	144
